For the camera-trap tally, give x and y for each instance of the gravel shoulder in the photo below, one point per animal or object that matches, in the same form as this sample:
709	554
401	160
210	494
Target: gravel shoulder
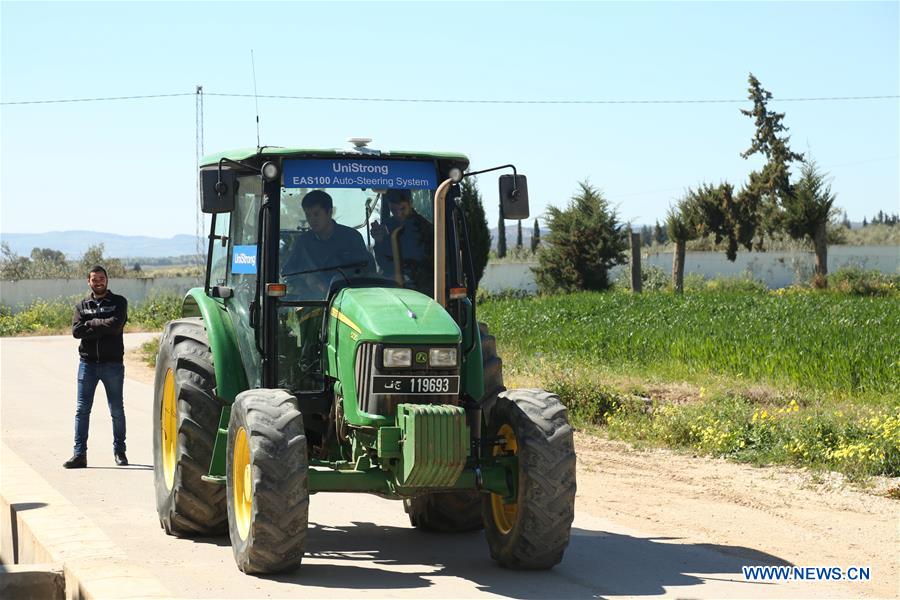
800	517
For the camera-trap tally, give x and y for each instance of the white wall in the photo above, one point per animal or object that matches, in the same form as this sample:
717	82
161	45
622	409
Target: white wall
18	294
776	269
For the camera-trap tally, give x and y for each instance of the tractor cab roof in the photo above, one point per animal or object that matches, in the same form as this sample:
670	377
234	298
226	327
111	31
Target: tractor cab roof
274	152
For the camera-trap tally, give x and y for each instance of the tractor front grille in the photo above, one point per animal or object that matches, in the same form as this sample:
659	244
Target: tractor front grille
367	365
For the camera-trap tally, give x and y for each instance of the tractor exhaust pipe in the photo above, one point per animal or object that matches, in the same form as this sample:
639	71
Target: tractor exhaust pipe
440	243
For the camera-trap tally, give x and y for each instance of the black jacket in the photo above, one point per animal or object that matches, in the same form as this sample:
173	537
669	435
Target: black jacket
99	324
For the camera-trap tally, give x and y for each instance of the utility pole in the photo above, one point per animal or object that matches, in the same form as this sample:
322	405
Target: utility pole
198	149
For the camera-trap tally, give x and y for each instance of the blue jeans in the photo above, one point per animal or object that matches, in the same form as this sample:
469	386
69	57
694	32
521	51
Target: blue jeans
113	377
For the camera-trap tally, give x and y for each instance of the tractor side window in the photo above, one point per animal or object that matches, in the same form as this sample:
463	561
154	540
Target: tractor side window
246	210
220	250
242	274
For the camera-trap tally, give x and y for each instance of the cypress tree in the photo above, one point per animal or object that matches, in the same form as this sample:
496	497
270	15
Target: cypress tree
501	235
535	237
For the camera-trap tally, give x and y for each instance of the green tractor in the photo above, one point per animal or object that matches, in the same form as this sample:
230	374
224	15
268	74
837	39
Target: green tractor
302	366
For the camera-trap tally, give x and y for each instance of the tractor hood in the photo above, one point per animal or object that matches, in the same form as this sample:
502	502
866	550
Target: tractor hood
394	315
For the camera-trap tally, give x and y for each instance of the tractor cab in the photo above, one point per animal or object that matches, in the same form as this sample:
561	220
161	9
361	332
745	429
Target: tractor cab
293	228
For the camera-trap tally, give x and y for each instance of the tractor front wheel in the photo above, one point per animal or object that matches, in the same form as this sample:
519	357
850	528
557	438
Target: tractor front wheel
267	482
532	531
186	416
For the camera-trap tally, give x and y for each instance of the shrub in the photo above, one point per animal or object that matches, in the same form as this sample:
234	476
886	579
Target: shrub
860	282
154	312
585	241
55	316
653	279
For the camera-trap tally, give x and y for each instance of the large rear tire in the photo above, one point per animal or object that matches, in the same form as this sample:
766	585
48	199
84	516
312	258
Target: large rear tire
267	482
186	414
460	511
533	531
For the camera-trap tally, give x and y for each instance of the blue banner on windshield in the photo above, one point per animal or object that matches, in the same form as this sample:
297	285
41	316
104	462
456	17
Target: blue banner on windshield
243	260
360	173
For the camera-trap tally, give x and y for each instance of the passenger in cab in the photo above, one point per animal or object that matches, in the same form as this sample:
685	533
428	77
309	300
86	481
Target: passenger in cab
415	237
326	244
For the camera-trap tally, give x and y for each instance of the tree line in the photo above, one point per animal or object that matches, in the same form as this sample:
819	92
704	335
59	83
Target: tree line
586	239
47	263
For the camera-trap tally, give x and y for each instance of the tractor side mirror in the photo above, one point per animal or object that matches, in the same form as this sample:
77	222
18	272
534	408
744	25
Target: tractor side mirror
218	194
514	197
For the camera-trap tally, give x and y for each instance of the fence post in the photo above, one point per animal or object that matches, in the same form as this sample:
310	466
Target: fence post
636	262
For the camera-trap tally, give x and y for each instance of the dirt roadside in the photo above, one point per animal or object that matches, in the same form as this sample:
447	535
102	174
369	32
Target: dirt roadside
797	516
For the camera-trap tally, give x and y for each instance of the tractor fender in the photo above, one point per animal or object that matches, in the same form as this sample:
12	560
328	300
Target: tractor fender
231	379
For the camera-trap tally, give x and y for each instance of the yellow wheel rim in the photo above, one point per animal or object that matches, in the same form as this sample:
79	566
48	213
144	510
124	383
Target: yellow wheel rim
505	514
168	424
241	475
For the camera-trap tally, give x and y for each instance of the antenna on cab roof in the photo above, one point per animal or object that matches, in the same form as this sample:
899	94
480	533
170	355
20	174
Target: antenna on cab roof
255	95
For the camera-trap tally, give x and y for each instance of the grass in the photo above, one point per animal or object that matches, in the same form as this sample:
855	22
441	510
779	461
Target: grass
823	342
48	317
792	377
148	352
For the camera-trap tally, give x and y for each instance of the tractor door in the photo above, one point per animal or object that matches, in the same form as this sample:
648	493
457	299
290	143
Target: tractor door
242	272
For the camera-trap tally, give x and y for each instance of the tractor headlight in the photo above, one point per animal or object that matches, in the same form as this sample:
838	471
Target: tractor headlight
442	357
269	171
397	357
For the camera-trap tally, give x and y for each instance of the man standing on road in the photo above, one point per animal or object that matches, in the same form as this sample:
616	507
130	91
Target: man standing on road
98	322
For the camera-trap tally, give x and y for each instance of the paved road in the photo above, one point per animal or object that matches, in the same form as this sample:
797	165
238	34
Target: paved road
359	545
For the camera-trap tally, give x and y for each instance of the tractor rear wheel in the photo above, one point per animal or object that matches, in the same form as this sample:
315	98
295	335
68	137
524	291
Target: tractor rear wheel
186	413
456	512
267	482
532	532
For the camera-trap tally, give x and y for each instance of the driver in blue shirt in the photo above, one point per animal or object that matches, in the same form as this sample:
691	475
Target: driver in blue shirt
326	244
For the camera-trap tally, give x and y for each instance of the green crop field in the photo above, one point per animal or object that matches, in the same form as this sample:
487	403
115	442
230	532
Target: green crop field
800	377
817	341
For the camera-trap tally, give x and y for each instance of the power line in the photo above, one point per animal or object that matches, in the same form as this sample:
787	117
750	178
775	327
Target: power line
60	101
507	101
454	101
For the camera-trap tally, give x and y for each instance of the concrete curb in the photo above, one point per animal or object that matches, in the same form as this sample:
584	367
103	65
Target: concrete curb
46	582
38	525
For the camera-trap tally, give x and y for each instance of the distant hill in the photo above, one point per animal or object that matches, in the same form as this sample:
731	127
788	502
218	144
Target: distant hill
74	243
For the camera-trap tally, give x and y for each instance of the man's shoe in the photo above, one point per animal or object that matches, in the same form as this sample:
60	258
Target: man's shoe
121	459
78	461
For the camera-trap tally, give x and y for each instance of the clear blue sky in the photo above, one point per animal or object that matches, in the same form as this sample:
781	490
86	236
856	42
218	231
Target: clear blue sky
128	166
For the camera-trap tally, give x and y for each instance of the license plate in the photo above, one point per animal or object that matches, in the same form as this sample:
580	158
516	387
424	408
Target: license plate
415	384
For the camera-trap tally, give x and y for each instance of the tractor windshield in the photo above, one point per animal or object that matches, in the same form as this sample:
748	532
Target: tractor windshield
332	231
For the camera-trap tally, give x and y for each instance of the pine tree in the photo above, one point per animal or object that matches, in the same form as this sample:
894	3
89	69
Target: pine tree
806	214
476	225
535	237
585	241
865	223
659	234
681	226
768	188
